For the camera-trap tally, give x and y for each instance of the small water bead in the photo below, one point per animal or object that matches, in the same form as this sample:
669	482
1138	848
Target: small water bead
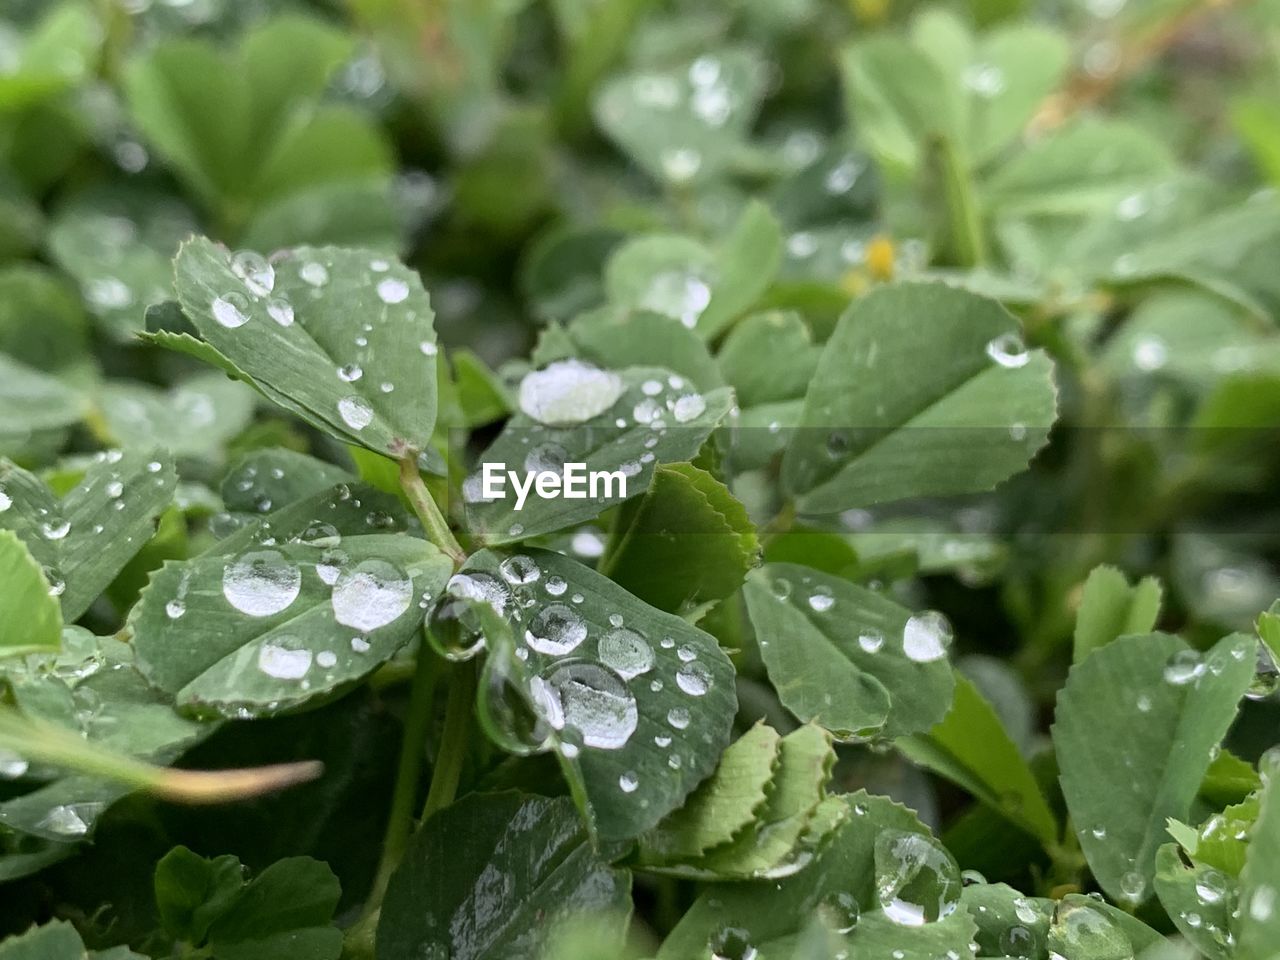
687	652
329	566
917	880
12	765
1183	667
174	609
371	594
821	600
254	270
678	717
927	636
1150	354
680	164
359	645
587	543
675	762
628	782
350	372
546	458
556	630
5	501
1008	351
1017	941
568	392
688	407
781	588
519	570
283	663
231	310
871	641
732	943
615	620
595	702
1087	932
392	290
1133	886
55	531
841	910
679	294
428	348
113	489
65	820
314	274
694	678
626	652
326	659
1211	885
261	583
555	586
646	411
281	311
355	412
1262	903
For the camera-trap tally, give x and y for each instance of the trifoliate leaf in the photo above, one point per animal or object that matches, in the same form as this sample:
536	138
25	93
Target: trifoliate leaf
1110	608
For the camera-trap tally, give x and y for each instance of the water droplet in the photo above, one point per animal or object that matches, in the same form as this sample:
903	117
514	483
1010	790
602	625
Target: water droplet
1262	903
55	531
1211	886
568	392
1017	941
12	765
679	294
281	311
231	310
871	641
284	663
626	652
1266	675
1009	351
371	594
428	348
1133	886
556	586
678	717
5	501
688	407
355	412
519	570
1150	353
555	630
917	880
926	637
350	372
694	678
595	702
254	270
732	943
261	583
315	274
821	600
841	910
1183	667
174	609
65	820
680	164
392	290
628	782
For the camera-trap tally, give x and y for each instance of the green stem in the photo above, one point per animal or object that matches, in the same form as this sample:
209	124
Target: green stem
433	522
400	822
454	742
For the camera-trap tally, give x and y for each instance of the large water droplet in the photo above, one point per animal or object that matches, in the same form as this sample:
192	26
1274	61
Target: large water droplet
370	595
231	310
519	570
261	583
284	662
555	630
595	702
355	412
626	652
917	880
254	270
926	636
392	290
281	311
694	678
568	392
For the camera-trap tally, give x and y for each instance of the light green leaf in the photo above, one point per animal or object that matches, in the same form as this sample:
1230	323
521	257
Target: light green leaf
615	338
769	358
684	124
1203	920
266	480
301	336
58	52
538	844
286	909
1257	926
842	655
748	259
922	390
57	940
349	213
1174	708
31	401
723	805
1110	608
971	748
272	627
84	539
638	702
33	297
195	418
652	416
686	543
31	618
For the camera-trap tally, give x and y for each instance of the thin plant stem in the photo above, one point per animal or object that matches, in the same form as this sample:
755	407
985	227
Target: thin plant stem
453	744
433	522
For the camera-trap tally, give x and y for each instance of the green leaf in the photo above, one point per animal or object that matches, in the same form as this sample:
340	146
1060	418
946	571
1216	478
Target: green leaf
768	358
846	657
191	892
1258	922
971	748
57	940
274	626
31	617
686	543
195	418
84	539
34	297
684	125
1111	608
748	257
922	390
1199	901
54	56
297	329
540	848
627	420
286	909
33	401
614	339
266	480
842	877
637	702
1174	708
724	805
1086	930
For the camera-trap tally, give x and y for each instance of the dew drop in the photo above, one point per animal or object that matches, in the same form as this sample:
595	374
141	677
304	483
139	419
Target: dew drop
926	637
355	412
871	641
281	311
254	270
519	570
392	290
555	630
371	594
694	678
595	702
626	652
261	583
917	880
568	392
628	782
315	274
283	663
231	310
1009	351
